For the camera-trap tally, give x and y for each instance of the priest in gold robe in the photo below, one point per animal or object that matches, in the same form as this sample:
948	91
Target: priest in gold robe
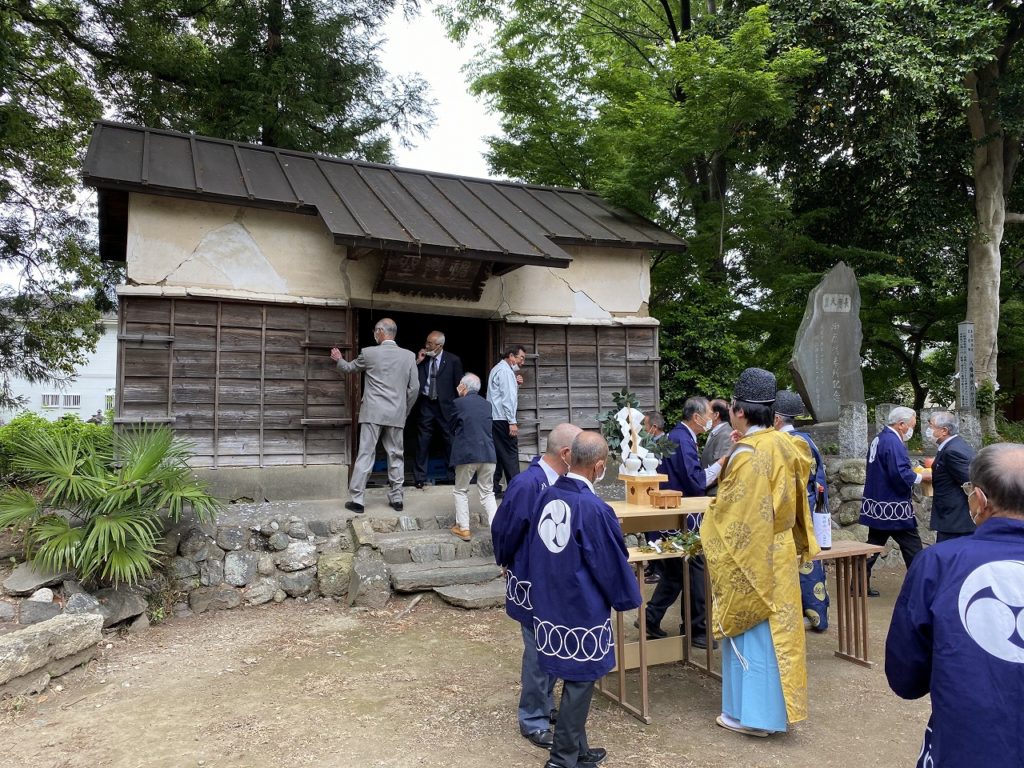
755	534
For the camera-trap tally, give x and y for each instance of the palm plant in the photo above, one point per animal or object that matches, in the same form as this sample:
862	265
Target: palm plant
101	505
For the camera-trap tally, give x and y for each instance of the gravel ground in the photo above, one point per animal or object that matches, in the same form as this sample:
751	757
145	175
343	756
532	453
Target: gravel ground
322	685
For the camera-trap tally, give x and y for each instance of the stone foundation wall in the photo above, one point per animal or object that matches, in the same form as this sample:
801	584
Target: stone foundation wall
846	491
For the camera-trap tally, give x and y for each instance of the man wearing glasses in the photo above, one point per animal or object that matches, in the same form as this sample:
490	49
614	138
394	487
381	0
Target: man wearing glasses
957	630
503	395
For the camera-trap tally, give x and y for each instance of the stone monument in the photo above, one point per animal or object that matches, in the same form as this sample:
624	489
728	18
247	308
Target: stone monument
826	361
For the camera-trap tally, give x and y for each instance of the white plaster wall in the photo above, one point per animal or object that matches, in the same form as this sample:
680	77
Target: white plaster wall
177	247
93	379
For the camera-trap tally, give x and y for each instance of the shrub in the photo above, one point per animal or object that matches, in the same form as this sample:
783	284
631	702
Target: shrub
29	425
103	498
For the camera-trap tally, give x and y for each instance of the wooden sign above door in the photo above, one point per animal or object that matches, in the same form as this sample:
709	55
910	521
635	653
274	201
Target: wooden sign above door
441	276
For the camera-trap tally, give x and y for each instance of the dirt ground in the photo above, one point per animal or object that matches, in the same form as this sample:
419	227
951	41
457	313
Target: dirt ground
323	685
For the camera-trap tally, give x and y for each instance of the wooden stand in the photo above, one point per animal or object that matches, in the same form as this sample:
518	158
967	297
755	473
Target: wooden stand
639	486
666	499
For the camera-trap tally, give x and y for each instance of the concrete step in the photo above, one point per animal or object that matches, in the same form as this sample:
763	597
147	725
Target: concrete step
420	577
490	594
415	546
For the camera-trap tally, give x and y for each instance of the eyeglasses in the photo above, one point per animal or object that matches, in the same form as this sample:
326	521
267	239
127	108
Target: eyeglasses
967	488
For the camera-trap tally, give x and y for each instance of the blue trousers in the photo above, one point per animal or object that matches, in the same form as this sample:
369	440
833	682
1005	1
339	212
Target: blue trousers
535	701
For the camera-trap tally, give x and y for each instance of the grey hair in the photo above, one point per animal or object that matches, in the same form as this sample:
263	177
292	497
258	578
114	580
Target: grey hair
901	413
656	420
439	336
561	437
471	382
387	326
998	469
588	448
946	420
694	405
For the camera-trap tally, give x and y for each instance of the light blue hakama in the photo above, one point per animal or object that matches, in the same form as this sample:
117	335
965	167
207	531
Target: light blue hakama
753	696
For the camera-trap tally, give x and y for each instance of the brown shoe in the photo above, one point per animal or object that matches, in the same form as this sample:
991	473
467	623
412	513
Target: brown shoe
462	533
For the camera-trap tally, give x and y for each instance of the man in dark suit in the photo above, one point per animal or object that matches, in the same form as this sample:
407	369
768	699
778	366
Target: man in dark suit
951	517
472	453
440	373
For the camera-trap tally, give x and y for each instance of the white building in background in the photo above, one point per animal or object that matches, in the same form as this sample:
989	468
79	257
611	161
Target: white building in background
91	389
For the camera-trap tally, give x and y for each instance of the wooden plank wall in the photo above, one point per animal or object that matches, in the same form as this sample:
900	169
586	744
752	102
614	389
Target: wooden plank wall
248	384
572	371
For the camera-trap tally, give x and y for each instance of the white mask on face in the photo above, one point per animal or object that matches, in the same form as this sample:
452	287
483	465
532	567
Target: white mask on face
600	477
910	434
515	367
929	434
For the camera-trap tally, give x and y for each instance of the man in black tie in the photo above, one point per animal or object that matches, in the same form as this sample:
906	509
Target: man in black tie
440	373
951	517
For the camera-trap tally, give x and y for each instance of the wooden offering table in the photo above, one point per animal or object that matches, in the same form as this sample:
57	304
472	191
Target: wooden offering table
849	598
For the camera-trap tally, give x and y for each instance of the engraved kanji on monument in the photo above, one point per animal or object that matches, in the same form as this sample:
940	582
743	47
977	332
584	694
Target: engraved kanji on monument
826	361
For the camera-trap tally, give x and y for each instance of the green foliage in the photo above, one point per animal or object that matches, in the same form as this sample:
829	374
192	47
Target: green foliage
660	446
33	427
103	497
1010	431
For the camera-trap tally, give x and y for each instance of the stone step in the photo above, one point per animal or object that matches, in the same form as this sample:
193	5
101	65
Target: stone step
490	594
399	547
420	577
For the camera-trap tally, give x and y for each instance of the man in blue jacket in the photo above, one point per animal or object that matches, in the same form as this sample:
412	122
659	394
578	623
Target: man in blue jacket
685	474
887	510
510	531
579	572
957	631
472	452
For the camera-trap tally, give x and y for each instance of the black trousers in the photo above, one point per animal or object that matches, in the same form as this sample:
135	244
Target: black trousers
943	536
431	420
571	728
909	542
669	589
506	449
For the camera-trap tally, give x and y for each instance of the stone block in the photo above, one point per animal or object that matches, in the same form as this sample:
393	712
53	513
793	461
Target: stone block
853	471
43	595
240	568
296	528
369	584
26	685
296	556
58	667
232	537
425	553
427	523
396	555
296	583
364	534
7	611
219	598
416	577
120	603
851	492
80	602
320	528
183	568
334	572
265	565
211	572
406	523
482	547
195	545
849	512
488	595
446	552
279	541
259	592
33	611
33	647
26	578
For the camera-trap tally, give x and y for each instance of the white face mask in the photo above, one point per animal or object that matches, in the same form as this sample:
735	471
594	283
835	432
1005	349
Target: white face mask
910	434
929	434
600	477
515	367
432	352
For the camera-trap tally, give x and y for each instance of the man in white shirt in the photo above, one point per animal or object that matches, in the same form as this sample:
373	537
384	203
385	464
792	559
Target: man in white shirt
503	395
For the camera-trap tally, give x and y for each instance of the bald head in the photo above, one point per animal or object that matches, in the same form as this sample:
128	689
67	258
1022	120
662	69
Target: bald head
556	454
385	329
588	449
998	470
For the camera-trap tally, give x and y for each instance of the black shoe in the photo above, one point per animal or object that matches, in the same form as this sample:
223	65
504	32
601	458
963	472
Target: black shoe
873	592
651	578
498	493
543	739
591	757
653	632
419	484
700	641
355	507
397	506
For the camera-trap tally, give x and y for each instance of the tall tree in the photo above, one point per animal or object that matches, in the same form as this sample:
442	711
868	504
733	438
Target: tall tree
300	74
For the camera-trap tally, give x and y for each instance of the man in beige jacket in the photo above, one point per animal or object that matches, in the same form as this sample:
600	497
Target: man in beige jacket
390	387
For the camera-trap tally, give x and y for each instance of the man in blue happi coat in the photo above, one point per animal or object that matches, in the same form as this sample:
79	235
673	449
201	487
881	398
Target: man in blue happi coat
957	630
685	474
510	534
813	594
579	572
887	510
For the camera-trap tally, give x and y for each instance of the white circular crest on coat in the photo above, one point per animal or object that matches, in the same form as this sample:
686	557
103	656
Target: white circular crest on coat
553	525
990	604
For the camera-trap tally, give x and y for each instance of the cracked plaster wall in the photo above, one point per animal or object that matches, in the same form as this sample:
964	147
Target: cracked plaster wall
186	244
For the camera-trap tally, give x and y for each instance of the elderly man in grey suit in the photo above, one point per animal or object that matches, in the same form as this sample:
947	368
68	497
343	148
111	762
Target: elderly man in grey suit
389	392
719	441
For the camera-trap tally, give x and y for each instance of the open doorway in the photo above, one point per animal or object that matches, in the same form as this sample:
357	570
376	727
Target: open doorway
469	338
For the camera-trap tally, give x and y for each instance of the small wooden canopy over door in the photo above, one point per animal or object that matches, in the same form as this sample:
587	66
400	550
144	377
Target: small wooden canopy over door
248	384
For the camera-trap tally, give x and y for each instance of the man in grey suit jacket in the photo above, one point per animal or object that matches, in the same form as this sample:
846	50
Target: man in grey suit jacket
389	392
719	441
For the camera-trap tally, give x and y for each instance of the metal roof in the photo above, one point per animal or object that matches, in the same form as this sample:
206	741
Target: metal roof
363	204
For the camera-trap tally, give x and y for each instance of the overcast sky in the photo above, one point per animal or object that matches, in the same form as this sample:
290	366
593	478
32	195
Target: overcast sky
455	143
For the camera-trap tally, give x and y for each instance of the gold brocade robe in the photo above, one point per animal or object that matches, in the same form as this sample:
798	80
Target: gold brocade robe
755	535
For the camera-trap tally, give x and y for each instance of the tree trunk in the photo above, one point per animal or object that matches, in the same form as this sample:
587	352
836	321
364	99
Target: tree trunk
983	250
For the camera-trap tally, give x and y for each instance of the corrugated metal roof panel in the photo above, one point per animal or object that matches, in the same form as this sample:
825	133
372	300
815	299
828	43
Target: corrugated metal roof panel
365	204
